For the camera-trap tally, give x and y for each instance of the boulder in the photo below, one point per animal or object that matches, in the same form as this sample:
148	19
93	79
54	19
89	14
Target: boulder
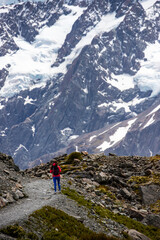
153	219
135	235
150	193
101	178
138	214
17	194
125	193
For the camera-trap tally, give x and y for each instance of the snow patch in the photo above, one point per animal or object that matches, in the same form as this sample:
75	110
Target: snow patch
73	137
151	120
4	10
147	3
122	82
20	146
85	90
7	2
28	100
33	130
116	137
66	131
1	106
154	110
92	137
2	134
148	77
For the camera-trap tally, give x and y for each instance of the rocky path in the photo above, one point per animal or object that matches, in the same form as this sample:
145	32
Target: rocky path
40	193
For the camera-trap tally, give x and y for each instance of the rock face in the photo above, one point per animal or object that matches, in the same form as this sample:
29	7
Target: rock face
93	81
11	189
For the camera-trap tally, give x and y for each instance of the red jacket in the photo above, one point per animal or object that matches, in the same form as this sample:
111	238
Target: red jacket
51	171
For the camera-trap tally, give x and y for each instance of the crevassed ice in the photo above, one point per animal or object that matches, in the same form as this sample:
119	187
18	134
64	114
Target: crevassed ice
31	64
148	77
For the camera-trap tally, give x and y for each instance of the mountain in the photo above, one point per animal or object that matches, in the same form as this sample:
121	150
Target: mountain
69	68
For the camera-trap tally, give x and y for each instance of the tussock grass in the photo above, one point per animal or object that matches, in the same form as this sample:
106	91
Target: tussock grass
49	223
102	213
74	155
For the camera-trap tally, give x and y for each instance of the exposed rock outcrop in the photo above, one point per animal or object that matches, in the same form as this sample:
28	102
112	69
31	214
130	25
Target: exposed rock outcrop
11	189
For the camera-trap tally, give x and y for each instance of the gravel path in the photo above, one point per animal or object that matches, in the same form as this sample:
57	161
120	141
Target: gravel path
40	193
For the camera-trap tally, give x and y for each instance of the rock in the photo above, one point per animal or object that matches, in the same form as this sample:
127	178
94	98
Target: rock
84	153
18	185
87	181
2	202
125	193
76	161
14	179
138	214
98	192
148	172
150	193
19	194
39	173
153	219
6	171
101	178
112	154
135	235
9	198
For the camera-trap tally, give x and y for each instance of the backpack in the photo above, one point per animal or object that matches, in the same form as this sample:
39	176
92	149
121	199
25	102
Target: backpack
55	170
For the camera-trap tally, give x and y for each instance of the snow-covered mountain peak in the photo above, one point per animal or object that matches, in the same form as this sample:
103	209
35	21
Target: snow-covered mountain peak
69	68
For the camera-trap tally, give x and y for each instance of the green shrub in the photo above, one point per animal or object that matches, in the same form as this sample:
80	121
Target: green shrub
32	236
15	231
105	190
74	155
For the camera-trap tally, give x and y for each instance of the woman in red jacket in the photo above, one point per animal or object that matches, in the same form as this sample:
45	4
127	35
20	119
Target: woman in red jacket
55	170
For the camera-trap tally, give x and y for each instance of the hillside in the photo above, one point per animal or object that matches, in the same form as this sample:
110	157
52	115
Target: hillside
116	195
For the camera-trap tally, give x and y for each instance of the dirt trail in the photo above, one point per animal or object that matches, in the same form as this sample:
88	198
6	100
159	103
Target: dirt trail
40	193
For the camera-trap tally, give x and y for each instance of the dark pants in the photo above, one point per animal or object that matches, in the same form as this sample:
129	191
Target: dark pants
55	181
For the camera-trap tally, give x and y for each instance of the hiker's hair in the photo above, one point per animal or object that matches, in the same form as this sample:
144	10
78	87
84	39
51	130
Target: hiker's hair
55	161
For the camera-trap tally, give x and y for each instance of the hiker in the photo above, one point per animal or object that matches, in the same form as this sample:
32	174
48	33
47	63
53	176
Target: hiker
55	170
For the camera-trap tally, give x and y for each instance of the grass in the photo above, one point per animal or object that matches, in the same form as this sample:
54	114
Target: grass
155	158
107	192
74	155
142	180
156	207
49	223
152	232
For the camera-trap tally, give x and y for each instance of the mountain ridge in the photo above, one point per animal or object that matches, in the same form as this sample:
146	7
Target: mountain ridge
102	70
